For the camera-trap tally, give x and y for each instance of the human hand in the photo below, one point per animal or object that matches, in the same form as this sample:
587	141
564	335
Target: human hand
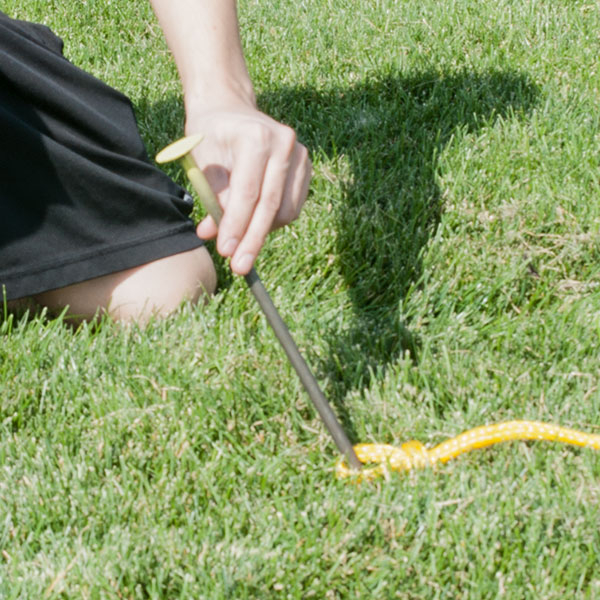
259	172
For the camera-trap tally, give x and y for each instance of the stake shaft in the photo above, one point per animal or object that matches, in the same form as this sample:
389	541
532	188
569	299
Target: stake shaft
304	373
279	327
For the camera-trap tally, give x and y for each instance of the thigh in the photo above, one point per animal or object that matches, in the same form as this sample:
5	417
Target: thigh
80	198
154	289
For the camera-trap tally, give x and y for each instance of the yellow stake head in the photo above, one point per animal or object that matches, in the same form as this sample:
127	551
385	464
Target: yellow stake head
181	150
178	149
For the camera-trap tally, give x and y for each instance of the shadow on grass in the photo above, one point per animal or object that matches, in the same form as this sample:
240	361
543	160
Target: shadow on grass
391	130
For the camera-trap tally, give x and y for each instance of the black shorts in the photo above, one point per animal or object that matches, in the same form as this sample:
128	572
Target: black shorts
79	197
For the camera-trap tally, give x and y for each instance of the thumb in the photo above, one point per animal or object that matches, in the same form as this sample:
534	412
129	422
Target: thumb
207	229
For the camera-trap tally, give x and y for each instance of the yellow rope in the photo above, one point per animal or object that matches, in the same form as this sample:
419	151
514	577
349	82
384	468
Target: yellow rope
414	455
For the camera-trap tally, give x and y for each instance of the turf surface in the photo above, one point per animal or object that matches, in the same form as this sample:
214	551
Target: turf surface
444	274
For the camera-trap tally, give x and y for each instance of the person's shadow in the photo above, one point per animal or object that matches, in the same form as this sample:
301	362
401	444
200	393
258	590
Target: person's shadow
390	130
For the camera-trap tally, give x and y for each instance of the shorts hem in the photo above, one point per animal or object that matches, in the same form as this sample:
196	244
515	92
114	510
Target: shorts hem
97	263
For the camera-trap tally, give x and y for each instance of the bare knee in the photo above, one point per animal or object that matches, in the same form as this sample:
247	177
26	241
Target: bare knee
153	289
159	288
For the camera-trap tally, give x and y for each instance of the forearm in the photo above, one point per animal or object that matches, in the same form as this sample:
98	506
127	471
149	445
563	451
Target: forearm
203	37
256	166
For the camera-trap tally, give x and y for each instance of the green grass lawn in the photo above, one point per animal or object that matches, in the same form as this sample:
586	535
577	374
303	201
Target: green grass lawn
444	274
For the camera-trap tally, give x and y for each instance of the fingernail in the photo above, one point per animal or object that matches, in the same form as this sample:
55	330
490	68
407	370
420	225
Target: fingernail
244	263
229	246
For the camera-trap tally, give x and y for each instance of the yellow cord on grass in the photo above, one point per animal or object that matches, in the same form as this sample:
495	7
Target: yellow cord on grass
411	454
414	455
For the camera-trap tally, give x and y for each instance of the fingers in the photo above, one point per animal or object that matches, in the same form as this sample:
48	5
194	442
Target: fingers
267	190
207	229
256	195
296	189
266	182
246	183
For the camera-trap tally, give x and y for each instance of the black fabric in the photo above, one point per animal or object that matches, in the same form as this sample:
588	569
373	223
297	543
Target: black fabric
79	197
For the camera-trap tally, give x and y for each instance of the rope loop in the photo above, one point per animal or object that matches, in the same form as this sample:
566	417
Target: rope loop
413	454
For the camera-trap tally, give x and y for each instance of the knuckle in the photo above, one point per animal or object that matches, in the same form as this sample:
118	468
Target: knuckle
304	158
288	212
271	203
288	138
249	191
259	134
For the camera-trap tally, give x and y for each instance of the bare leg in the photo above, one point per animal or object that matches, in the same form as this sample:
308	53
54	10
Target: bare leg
20	305
153	289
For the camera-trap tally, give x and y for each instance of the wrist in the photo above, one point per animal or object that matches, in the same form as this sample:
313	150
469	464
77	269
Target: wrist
237	93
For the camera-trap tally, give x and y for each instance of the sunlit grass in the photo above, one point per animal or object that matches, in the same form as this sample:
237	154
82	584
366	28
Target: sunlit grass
443	275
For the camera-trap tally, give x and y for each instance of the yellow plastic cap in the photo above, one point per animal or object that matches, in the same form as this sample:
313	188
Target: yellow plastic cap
179	149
